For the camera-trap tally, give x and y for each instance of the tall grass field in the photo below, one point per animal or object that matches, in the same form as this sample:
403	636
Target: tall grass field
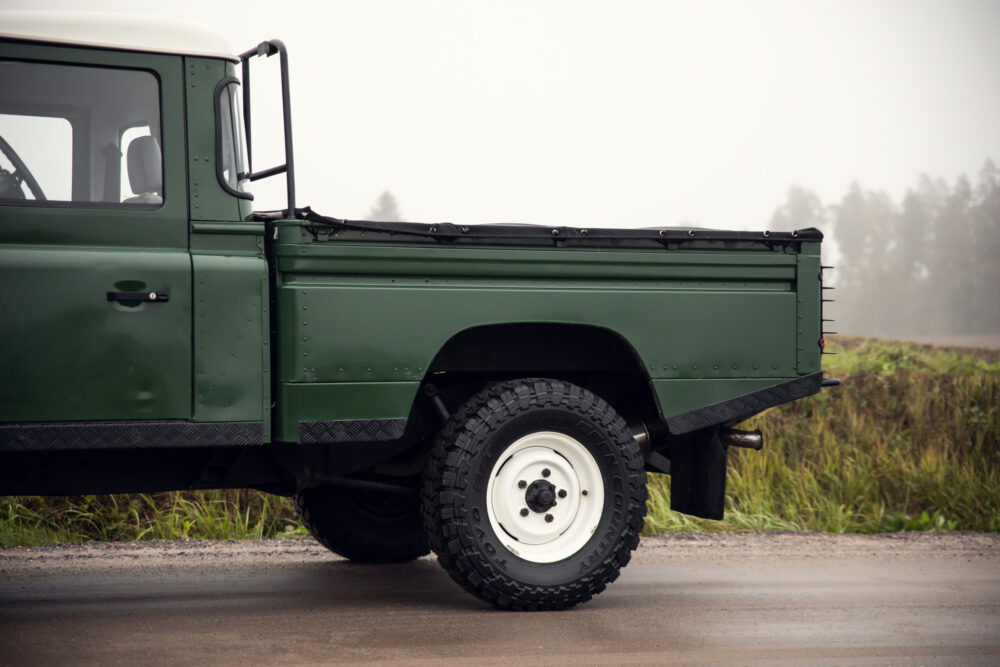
908	442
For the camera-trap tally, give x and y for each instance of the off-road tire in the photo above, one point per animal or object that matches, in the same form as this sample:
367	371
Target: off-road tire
455	487
363	526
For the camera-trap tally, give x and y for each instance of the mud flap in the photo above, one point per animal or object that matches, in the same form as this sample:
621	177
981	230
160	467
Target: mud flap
698	474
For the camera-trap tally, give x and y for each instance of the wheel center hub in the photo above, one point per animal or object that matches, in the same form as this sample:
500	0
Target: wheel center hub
540	496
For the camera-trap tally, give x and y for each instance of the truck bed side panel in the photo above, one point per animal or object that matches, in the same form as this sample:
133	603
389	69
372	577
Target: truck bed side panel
708	326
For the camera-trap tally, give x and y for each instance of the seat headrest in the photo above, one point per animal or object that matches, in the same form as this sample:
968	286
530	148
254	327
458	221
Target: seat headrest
145	165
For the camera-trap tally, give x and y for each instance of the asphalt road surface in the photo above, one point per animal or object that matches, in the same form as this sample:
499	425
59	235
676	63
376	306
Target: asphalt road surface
735	599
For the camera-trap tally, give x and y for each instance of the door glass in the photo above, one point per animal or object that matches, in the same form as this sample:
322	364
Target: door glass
45	145
232	144
86	135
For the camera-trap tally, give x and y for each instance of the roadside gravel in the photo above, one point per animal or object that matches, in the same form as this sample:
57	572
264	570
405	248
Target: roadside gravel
163	555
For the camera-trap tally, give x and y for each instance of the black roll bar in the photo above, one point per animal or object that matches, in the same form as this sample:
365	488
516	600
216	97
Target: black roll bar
268	49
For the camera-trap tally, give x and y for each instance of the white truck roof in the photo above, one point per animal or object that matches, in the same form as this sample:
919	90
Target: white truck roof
157	34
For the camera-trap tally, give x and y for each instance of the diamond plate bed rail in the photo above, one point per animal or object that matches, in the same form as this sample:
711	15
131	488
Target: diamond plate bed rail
36	437
742	407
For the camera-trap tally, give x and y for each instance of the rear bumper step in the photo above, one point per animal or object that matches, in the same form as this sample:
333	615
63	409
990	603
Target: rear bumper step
742	407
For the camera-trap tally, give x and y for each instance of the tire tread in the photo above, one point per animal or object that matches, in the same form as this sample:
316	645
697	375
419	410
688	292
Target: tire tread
444	490
354	543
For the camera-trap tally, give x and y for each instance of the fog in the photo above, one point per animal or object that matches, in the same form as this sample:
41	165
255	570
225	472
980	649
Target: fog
629	113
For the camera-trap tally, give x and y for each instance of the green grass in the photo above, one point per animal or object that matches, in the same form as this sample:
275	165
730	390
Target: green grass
874	356
219	515
909	442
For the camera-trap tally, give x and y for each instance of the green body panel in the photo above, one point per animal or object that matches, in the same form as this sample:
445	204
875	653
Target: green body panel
231	351
68	353
208	200
810	328
708	325
231	313
79	356
342	332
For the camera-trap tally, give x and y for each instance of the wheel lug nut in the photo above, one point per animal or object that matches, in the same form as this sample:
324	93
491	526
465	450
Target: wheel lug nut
548	518
522	484
524	511
546	472
562	493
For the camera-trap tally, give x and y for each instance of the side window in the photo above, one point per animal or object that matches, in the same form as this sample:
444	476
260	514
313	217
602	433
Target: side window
87	136
45	145
232	161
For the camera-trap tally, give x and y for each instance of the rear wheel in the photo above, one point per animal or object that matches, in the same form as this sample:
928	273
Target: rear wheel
364	526
535	495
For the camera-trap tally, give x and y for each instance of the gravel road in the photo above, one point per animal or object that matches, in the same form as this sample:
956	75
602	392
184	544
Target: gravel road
776	598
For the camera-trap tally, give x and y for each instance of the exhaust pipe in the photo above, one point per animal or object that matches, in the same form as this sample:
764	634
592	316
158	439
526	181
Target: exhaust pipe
731	437
639	433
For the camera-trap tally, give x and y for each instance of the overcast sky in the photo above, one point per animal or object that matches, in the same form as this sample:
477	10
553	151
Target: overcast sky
616	113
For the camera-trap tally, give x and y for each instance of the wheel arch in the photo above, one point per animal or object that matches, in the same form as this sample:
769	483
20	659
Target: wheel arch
596	358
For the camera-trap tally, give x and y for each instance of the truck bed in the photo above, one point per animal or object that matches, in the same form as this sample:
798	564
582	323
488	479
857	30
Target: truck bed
710	316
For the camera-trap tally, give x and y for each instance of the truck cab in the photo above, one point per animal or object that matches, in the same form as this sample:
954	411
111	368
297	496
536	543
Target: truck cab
494	393
120	241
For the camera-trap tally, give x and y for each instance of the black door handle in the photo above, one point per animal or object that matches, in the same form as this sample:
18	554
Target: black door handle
138	296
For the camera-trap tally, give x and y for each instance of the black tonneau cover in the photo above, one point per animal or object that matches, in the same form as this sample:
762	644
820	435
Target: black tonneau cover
447	231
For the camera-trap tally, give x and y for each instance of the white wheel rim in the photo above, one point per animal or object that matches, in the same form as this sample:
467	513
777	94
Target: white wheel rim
558	532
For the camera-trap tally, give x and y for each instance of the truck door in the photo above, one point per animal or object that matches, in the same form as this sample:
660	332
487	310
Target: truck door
95	272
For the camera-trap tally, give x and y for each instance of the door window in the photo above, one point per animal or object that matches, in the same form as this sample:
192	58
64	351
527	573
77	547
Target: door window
79	136
46	144
232	165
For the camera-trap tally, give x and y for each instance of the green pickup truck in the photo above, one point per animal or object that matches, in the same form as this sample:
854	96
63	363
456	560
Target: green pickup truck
494	393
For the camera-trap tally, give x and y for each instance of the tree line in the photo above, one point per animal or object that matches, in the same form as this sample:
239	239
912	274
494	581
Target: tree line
927	265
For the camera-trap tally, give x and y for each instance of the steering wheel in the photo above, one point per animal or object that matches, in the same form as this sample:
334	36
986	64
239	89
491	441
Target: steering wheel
21	171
